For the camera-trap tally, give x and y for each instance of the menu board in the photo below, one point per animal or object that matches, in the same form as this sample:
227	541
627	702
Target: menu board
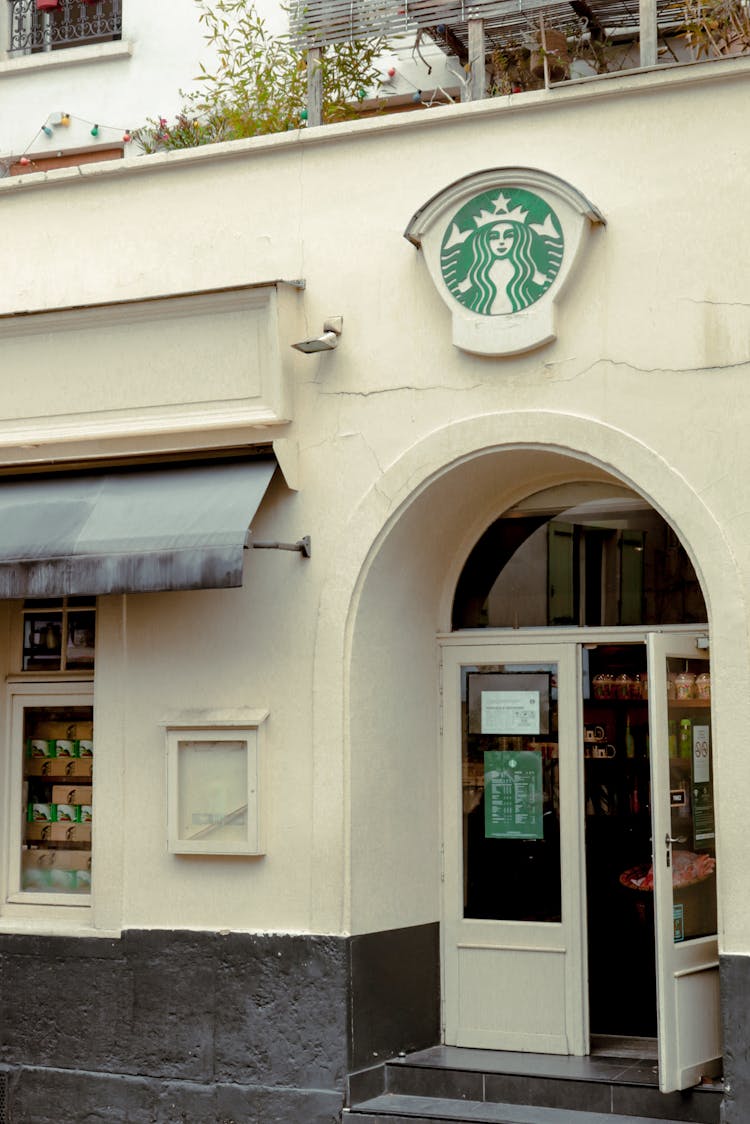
513	795
704	826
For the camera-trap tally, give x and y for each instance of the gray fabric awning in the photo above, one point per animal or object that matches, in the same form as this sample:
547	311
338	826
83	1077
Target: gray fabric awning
136	531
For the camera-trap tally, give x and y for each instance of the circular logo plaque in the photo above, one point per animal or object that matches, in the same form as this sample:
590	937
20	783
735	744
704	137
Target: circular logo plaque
501	251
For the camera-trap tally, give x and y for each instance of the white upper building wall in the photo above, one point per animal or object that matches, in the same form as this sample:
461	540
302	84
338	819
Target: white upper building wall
117	85
121	85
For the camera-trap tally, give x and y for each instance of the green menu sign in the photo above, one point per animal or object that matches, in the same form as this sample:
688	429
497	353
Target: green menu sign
513	795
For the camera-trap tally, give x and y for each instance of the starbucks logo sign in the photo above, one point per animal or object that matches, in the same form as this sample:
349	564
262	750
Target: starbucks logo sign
502	251
500	247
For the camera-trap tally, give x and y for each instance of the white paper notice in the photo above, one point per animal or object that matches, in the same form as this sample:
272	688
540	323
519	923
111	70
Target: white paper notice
701	755
510	712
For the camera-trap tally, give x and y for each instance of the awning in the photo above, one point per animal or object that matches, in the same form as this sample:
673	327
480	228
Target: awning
133	531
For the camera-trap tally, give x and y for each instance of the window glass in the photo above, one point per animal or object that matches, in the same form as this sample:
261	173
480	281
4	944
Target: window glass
57	802
511	798
58	639
583	555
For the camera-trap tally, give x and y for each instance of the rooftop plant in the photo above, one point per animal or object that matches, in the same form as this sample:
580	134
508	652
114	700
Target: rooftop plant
257	83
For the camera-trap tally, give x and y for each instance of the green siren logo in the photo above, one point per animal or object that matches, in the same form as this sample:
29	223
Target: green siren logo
502	251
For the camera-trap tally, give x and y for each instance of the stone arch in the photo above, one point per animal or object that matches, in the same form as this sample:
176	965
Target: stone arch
390	593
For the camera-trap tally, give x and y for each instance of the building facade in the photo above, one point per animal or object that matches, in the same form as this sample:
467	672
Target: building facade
287	880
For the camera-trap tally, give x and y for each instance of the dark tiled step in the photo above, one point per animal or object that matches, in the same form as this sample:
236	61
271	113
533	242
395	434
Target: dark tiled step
632	1093
608	1085
392	1108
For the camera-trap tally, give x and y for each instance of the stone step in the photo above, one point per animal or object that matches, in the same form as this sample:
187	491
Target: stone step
632	1094
395	1108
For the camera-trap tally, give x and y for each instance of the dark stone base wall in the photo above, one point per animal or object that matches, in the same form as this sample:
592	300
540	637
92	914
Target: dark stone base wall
160	1027
735	1002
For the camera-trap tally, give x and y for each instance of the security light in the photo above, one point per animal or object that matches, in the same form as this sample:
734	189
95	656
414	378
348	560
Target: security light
325	342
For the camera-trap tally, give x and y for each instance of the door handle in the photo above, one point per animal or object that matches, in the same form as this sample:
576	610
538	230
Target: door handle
668	841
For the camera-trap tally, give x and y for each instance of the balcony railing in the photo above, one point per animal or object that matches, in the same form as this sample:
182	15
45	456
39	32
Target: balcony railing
69	23
503	47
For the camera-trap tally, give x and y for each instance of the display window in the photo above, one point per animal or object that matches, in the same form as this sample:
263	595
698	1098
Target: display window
50	754
52	771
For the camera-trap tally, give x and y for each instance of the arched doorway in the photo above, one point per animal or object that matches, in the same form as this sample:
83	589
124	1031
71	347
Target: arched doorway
390	592
577	729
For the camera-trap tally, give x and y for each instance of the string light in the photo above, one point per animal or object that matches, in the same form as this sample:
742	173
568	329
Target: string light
65	120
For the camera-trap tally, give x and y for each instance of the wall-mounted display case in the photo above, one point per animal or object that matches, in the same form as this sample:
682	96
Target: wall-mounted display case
214	782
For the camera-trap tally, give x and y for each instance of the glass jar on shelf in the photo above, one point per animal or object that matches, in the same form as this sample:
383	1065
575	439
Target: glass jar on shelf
603	686
703	686
623	686
684	685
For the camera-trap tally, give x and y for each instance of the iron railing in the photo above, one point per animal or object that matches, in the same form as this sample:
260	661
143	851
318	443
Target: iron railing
70	23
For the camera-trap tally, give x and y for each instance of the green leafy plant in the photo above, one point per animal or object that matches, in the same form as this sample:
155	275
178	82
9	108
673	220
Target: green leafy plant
258	84
717	28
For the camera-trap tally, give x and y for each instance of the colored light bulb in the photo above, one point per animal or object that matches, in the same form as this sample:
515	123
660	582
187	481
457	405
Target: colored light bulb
95	131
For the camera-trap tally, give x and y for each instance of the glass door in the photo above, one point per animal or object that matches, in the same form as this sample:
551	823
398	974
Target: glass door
683	872
512	950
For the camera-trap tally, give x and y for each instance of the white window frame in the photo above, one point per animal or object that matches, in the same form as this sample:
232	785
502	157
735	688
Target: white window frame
73	674
20	696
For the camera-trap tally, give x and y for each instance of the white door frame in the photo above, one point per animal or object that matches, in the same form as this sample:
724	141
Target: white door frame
515	985
485	645
687	973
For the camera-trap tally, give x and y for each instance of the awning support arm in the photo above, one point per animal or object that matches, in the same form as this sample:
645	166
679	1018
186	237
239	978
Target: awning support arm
303	546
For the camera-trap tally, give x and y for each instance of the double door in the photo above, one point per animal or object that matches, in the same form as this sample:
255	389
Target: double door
579	828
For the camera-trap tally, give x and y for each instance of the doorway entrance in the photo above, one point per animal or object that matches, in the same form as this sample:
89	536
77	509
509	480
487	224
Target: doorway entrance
580	885
564	757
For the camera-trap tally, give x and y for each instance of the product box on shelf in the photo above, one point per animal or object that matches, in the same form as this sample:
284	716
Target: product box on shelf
37	747
59	767
56	860
80	794
68	731
58	832
67	813
41	813
53	747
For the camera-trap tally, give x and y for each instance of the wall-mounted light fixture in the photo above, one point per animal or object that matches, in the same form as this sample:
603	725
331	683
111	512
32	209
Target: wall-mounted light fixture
325	342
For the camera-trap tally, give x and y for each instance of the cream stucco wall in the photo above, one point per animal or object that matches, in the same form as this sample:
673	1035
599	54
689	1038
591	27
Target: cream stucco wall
408	449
